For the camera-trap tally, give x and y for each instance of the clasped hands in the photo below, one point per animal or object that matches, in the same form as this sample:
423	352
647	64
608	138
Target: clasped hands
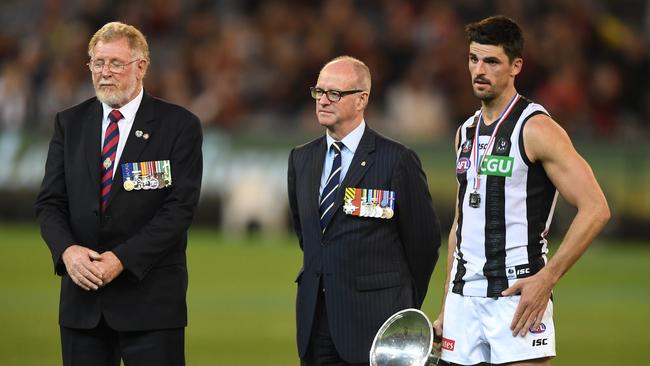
89	269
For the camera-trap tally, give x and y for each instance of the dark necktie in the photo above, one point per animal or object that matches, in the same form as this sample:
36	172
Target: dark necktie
328	196
111	137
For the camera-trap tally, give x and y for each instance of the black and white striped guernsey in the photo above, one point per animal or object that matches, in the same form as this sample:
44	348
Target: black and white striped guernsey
505	237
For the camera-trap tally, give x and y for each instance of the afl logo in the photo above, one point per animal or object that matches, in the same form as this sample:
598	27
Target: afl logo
462	165
538	330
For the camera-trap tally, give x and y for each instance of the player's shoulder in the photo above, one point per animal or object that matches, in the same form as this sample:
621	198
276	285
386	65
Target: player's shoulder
537	120
471	120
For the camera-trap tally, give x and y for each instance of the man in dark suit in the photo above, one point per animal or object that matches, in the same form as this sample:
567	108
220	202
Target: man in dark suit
121	184
365	222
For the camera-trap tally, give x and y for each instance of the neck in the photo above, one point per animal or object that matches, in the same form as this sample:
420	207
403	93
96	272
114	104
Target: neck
493	109
338	133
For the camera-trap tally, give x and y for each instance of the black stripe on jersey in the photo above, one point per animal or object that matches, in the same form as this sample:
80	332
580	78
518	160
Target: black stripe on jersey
495	215
522	150
461	270
540	194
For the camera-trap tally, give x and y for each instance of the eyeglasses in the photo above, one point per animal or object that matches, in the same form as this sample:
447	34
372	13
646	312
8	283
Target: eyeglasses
113	66
332	95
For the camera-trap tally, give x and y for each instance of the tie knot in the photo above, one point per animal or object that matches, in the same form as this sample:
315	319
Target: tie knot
115	115
337	146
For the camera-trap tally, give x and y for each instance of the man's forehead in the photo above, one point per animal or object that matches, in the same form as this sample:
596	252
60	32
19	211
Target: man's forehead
120	46
334	76
486	50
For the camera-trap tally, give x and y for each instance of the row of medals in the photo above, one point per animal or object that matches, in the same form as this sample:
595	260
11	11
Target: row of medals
146	182
369	209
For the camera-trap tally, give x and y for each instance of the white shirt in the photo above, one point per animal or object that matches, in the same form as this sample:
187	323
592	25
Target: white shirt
124	125
351	142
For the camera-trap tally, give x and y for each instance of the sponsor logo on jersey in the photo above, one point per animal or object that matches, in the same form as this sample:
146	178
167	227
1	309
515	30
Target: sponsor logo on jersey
518	272
540	342
448	344
502	145
497	165
540	329
462	165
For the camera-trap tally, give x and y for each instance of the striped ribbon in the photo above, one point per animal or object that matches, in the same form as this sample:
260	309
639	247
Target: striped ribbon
109	150
331	187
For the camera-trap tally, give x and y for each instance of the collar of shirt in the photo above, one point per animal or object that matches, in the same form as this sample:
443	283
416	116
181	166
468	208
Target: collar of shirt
129	111
351	142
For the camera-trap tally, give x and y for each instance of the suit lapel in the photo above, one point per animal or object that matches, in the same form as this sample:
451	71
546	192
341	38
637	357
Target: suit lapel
134	146
362	161
92	130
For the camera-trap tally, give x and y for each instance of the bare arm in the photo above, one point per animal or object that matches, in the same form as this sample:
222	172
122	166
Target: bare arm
546	142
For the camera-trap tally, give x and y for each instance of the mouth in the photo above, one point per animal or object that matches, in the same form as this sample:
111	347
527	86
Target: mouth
480	81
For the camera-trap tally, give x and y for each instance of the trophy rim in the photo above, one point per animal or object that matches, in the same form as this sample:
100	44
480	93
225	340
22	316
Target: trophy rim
392	319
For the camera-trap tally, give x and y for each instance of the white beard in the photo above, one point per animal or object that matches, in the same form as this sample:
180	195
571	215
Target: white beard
117	98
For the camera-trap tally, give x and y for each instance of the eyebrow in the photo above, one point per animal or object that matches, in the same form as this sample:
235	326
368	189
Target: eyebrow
485	59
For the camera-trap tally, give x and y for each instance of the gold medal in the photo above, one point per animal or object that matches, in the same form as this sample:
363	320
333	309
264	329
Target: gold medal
388	213
129	185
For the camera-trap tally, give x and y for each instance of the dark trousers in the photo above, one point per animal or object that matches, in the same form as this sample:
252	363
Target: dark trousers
321	350
103	346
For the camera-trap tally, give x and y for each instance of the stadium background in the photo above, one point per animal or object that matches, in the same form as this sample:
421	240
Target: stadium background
245	68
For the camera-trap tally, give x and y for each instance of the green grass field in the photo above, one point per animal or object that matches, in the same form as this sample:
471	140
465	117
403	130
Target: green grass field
241	302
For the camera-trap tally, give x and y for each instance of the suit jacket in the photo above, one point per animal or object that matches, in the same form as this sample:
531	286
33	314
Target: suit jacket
369	267
146	229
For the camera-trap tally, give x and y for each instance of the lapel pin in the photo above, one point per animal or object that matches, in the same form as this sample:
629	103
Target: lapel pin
138	133
145	136
363	163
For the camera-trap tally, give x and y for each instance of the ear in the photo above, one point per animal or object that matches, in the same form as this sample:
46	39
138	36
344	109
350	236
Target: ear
142	67
515	67
362	101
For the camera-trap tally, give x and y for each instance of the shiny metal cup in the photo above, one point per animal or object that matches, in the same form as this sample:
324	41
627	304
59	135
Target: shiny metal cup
405	339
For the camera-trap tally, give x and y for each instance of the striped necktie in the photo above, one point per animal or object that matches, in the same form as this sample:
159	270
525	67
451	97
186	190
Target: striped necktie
111	137
328	196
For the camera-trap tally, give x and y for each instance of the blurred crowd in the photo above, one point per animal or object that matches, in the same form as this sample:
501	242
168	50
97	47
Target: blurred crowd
247	65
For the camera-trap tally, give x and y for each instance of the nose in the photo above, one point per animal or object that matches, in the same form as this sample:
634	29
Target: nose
105	71
323	100
480	68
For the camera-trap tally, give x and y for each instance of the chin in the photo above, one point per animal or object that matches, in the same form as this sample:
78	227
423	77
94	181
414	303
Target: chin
113	100
484	96
326	121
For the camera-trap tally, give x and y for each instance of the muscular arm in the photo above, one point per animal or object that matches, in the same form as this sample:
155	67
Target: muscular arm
546	142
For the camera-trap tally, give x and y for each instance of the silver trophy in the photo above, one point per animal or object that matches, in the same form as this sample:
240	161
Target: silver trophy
405	339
